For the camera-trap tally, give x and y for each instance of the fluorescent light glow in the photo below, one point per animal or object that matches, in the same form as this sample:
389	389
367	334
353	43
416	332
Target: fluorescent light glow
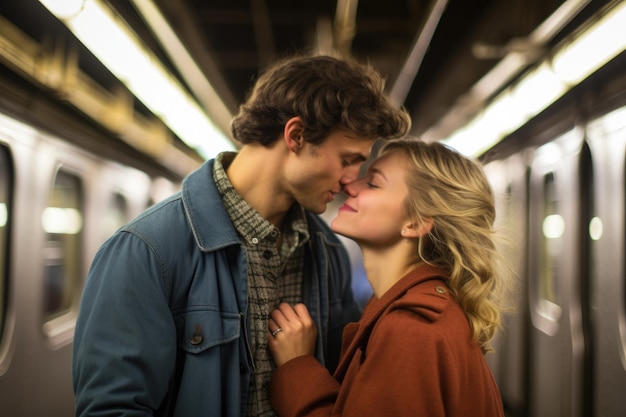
549	154
553	226
64	8
544	85
4	215
596	228
601	43
535	92
60	220
113	43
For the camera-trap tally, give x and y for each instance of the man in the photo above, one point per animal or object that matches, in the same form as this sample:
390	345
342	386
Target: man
173	319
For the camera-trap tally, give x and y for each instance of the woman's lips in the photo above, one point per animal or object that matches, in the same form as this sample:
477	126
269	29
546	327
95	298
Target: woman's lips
346	207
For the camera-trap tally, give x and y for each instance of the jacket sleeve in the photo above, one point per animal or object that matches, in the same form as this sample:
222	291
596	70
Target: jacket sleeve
125	341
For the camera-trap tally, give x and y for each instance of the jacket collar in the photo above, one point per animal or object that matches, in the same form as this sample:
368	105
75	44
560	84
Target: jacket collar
209	222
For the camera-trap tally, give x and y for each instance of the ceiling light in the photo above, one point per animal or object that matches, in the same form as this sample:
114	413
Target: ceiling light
118	48
543	85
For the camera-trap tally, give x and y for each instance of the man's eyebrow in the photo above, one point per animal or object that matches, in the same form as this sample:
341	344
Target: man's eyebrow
356	157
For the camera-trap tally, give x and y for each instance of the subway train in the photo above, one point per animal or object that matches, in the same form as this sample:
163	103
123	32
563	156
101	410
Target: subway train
559	182
65	187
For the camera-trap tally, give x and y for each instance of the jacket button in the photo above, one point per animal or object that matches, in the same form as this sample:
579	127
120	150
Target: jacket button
440	289
196	337
267	254
242	368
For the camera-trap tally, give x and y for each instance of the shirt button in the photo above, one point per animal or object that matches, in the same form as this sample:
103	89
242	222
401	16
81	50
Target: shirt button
440	290
267	254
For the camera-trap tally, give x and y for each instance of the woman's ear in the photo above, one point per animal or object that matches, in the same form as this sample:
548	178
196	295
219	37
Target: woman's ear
415	230
292	134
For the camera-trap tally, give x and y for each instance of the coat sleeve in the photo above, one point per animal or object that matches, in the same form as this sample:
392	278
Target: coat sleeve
125	341
303	387
401	373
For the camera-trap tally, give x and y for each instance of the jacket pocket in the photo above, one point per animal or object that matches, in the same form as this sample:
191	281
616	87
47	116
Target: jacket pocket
201	330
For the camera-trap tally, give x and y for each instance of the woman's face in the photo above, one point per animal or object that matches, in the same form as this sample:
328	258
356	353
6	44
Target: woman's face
375	211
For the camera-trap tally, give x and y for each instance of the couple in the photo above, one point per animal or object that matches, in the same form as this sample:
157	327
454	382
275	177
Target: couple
177	305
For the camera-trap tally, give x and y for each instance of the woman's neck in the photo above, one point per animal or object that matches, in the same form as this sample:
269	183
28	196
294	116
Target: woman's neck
386	267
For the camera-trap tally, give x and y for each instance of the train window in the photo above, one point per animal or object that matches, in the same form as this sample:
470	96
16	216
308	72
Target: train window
5	200
551	242
62	221
116	216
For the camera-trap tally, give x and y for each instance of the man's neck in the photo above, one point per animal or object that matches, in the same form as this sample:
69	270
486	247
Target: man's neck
256	175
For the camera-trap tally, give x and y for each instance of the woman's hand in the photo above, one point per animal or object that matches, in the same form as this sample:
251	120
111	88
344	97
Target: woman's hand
298	334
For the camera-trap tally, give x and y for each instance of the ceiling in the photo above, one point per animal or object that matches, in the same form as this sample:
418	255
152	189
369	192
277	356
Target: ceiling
432	52
443	59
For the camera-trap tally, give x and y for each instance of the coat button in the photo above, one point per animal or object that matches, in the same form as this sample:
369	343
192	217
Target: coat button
440	289
196	337
267	254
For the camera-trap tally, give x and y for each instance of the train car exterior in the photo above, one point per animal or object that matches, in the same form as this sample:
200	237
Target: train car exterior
58	204
559	183
66	184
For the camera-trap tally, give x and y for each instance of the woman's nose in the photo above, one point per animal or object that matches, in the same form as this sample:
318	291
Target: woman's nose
351	188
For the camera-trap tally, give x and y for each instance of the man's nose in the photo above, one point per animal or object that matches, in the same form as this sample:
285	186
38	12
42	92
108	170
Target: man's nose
350	174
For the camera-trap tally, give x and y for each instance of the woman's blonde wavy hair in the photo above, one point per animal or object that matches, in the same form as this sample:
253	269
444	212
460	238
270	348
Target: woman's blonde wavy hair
454	192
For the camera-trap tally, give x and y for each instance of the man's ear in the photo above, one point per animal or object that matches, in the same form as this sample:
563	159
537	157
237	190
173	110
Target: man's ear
292	134
415	230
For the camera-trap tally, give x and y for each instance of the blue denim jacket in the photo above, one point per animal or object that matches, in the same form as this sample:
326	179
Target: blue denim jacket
163	325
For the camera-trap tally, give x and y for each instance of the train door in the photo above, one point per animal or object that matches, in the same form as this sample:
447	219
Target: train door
6	219
509	181
558	277
607	138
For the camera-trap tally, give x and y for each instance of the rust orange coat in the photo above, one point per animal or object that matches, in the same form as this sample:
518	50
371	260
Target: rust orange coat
411	354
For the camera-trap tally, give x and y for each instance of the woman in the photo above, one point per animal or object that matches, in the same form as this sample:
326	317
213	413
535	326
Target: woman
423	217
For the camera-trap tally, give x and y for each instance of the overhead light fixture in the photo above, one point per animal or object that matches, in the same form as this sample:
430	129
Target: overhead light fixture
108	37
599	44
546	83
64	9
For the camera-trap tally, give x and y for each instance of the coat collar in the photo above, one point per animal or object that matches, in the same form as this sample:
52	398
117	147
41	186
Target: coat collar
356	334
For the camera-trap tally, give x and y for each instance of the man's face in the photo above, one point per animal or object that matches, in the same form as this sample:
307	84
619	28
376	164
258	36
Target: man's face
317	173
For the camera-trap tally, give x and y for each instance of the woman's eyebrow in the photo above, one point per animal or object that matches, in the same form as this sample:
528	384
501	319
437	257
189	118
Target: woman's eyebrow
376	171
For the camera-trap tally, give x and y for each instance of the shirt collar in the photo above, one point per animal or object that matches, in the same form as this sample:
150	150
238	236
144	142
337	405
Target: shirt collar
252	227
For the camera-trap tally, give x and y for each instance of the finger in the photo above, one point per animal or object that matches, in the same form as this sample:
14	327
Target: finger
272	325
303	312
278	317
288	312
